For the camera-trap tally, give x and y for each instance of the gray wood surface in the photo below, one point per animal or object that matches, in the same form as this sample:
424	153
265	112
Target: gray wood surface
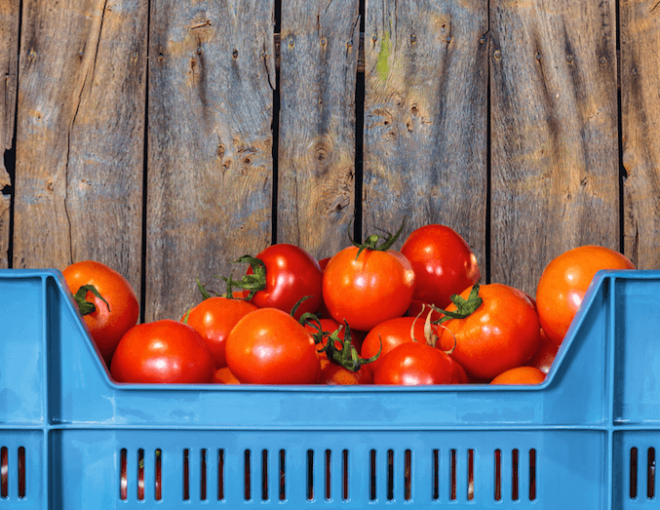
425	133
554	133
316	172
211	82
80	134
640	107
9	24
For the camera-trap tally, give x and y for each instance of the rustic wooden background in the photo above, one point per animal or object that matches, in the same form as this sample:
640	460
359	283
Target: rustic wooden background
168	138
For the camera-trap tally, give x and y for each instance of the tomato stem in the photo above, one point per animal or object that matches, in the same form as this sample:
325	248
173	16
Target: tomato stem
372	241
251	282
87	307
464	307
297	305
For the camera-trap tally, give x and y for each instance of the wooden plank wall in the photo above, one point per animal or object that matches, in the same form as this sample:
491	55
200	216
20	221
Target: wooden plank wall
168	138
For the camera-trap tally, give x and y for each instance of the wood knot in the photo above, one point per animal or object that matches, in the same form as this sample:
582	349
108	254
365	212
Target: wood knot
497	54
247	161
569	59
235	54
220	151
321	154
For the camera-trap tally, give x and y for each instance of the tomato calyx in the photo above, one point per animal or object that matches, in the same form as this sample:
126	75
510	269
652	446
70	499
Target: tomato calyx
372	241
254	282
464	307
297	305
85	306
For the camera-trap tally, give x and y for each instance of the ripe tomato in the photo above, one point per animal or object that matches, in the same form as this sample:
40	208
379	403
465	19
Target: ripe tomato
224	376
108	322
164	351
413	363
282	275
443	263
391	333
214	318
545	354
565	281
268	346
520	375
330	326
331	373
502	333
369	289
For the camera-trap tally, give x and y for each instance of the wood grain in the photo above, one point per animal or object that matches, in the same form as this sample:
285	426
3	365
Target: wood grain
554	133
425	134
211	82
316	190
640	108
80	138
9	24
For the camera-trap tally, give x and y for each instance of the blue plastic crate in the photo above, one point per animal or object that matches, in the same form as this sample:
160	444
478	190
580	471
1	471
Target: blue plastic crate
584	439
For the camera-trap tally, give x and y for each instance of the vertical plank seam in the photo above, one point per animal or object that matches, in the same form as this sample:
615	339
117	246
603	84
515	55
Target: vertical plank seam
275	129
622	170
145	175
487	241
359	137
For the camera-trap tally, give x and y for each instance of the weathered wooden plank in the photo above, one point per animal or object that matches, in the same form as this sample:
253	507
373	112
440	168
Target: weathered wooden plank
316	192
425	135
640	107
9	24
554	133
211	81
80	134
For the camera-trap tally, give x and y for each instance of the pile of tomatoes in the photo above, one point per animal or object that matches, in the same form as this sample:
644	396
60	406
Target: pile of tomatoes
367	315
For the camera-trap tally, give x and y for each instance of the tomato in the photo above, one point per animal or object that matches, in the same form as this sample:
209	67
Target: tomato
391	333
164	351
502	333
268	346
331	373
214	318
368	289
224	376
108	322
565	281
443	263
413	363
330	326
284	274
545	354
520	375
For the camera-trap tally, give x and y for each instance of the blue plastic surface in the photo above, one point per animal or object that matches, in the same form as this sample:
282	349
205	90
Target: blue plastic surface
584	439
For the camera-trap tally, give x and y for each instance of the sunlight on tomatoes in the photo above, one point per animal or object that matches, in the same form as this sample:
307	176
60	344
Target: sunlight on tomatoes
412	364
520	375
332	373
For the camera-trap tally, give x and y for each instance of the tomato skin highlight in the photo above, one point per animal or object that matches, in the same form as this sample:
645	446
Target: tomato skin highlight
520	375
369	289
164	351
268	346
214	318
565	281
291	274
105	326
443	263
502	333
413	364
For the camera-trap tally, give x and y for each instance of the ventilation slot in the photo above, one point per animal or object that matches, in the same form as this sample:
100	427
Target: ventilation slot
310	475
186	474
344	492
282	476
123	480
264	475
158	482
390	475
407	474
202	473
452	489
650	473
470	494
248	492
436	474
532	474
514	475
498	475
633	472
372	475
140	487
21	472
328	464
221	474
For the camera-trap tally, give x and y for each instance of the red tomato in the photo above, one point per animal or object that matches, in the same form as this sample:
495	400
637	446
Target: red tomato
367	290
268	346
413	363
106	325
164	351
291	274
564	282
502	333
443	263
331	373
545	354
392	333
214	318
520	375
224	376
